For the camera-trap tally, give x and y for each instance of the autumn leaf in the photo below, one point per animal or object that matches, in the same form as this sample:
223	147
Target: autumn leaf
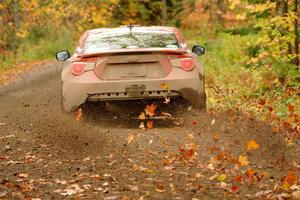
159	186
78	114
238	178
150	110
234	188
291	108
23	175
142	116
250	173
286	185
150	124
222	177
186	153
214	149
252	145
130	138
261	102
164	86
291	178
216	137
243	160
194	122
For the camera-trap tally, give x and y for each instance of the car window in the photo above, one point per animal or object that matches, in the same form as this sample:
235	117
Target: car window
126	40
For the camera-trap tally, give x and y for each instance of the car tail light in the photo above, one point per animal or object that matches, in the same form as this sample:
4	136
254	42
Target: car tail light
187	64
184	62
78	68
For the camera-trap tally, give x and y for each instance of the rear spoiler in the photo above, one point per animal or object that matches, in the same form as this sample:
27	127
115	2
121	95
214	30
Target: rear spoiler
124	51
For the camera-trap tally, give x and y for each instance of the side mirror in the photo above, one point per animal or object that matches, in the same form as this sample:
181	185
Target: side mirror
62	55
199	50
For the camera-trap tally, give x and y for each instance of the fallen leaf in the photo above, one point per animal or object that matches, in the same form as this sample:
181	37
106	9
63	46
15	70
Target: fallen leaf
72	189
23	175
78	114
291	178
186	153
222	185
261	102
216	137
291	108
159	186
130	138
238	178
263	193
213	121
194	122
252	145
222	177
286	186
234	188
243	160
150	124
150	110
190	136
151	141
62	182
289	142
214	149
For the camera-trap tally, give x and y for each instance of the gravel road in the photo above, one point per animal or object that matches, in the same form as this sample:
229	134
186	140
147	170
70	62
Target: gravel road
46	153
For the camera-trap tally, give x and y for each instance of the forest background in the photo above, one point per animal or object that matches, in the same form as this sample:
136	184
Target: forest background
252	60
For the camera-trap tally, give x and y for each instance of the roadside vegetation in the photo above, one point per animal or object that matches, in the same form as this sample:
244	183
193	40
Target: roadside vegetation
252	60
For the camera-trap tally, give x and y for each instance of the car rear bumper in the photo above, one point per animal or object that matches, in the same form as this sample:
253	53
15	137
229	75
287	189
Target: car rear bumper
88	87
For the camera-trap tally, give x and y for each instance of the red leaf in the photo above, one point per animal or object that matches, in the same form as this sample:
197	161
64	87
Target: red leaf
291	178
261	102
238	178
186	153
234	188
291	108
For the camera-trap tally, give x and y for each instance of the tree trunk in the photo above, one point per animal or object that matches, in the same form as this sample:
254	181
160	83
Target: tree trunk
164	12
296	27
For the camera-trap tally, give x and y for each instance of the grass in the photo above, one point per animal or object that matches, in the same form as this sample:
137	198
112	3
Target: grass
231	85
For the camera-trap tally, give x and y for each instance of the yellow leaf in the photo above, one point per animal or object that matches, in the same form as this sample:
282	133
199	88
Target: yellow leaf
130	138
142	116
252	145
243	160
222	177
164	86
286	185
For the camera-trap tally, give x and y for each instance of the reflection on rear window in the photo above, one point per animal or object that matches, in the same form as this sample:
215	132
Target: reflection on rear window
125	40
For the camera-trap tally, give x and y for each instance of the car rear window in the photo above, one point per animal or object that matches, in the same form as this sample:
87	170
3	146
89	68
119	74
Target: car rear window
126	40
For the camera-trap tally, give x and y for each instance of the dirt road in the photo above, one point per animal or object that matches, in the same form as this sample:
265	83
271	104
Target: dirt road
47	154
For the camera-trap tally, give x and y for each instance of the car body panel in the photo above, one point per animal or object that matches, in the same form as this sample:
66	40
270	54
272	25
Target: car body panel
138	73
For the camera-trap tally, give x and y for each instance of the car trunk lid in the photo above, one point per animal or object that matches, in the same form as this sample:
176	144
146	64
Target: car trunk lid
136	65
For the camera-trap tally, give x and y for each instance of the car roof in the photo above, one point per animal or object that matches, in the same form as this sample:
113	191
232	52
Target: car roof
125	28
